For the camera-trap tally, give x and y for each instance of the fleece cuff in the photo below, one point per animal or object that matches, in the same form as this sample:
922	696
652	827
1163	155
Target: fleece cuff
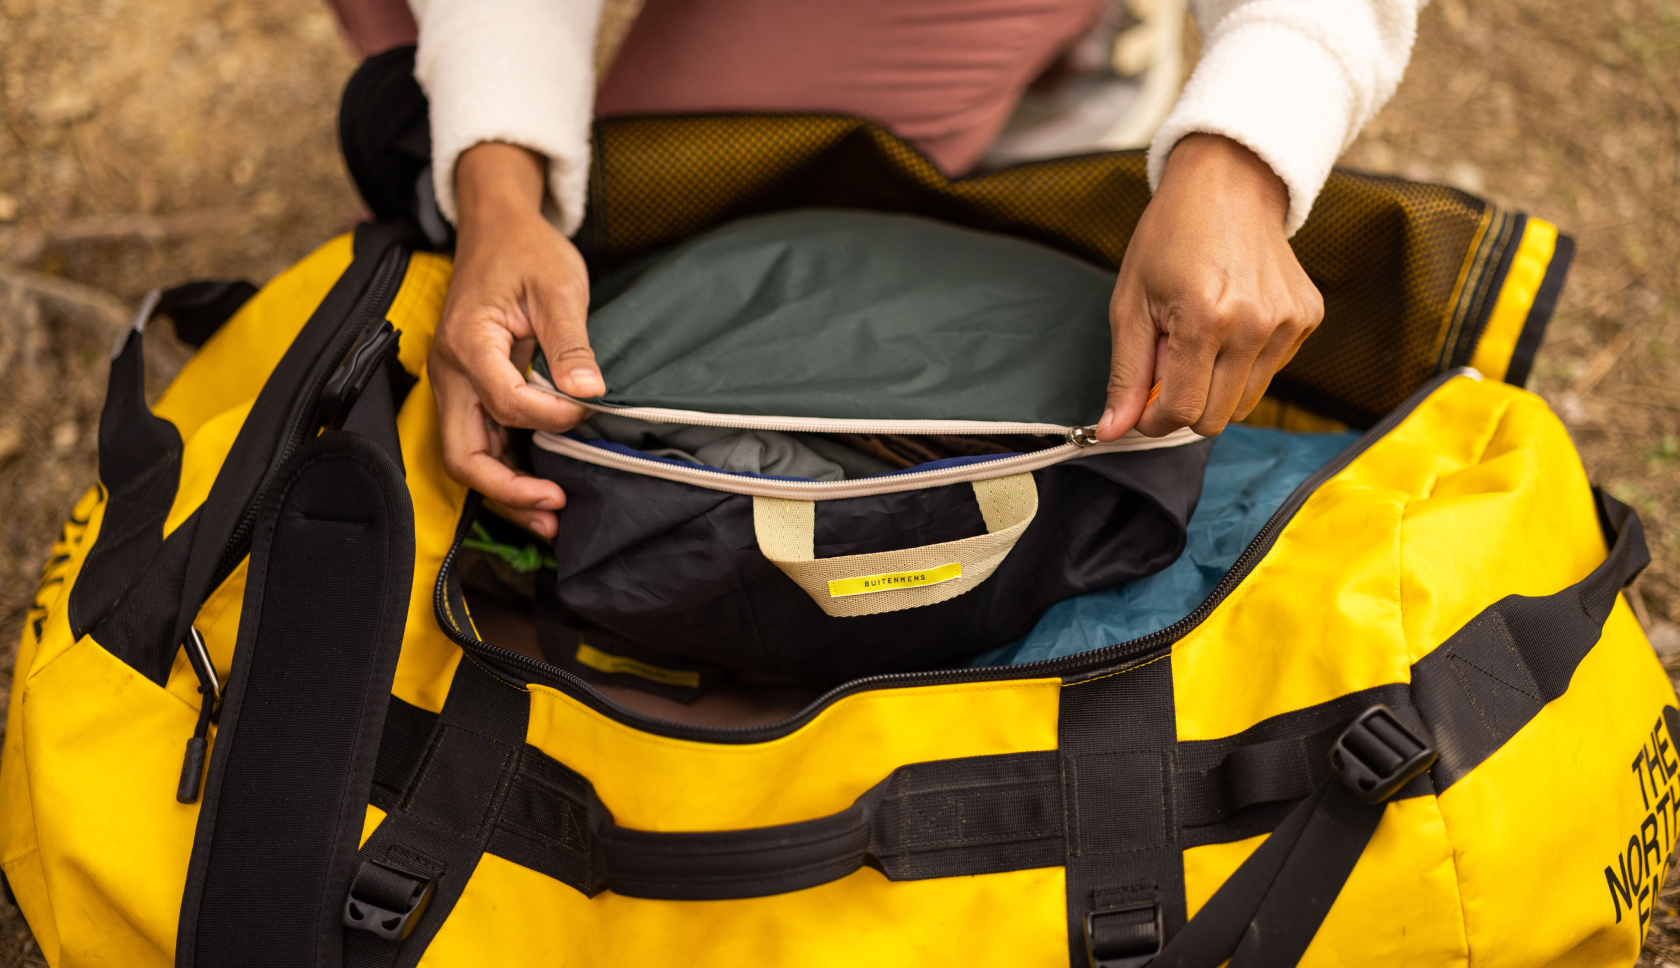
1277	91
516	71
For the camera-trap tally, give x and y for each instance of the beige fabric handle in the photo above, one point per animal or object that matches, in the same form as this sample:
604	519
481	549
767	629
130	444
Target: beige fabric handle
889	581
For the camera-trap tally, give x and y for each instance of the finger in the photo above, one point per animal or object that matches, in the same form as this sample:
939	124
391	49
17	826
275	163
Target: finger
469	454
1132	364
1185	373
1276	354
529	500
1225	391
1245	336
559	312
536	522
502	388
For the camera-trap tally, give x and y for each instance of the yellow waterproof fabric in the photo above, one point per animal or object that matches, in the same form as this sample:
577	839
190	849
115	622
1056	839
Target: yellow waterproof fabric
1475	495
1516	297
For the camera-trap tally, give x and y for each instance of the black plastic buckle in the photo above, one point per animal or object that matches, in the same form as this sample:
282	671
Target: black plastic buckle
364	361
387	901
1378	754
1124	937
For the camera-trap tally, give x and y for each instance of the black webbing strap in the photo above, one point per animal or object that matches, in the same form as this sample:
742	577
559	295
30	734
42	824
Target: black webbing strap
435	832
140	467
326	602
1482	685
947	818
944	818
1243	785
1266	913
198	309
1118	737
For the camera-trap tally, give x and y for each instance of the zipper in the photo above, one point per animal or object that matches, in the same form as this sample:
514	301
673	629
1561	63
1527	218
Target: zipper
1077	436
719	480
1081	442
1072	669
375	301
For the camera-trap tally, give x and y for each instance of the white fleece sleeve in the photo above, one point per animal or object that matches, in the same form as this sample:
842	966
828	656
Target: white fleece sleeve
519	71
1293	80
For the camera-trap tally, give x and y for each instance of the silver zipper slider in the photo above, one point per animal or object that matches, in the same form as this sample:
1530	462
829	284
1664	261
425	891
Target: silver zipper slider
1082	436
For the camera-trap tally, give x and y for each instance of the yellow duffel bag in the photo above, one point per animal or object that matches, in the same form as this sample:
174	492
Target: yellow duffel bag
254	723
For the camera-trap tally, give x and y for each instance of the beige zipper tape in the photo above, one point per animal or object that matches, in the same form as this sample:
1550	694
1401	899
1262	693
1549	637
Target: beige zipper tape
862	487
822	425
890	581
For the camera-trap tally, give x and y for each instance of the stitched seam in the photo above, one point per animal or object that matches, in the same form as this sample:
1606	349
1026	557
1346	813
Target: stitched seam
1509	647
1470	694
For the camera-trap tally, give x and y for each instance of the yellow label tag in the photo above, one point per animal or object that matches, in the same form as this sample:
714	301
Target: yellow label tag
604	662
869	584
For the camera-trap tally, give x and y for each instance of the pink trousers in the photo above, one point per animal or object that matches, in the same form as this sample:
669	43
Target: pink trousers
942	74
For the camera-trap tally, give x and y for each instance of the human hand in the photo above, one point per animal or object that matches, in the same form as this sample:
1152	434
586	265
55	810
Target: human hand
517	282
1211	301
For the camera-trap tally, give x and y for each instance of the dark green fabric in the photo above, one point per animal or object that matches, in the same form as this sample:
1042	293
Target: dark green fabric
828	313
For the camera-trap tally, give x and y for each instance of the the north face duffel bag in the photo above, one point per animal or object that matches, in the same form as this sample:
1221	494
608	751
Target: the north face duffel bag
1397	731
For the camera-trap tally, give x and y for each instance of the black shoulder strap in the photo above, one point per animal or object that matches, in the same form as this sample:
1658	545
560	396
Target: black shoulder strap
325	606
145	593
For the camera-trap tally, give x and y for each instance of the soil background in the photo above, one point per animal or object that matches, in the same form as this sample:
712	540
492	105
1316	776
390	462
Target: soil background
147	144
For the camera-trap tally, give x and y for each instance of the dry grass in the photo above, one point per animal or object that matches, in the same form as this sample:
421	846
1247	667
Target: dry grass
146	144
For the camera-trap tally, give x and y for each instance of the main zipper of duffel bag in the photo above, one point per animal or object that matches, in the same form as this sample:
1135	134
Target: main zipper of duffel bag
1072	668
1080	442
374	303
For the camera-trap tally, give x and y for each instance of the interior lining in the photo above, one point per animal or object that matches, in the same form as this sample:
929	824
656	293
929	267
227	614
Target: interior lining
1250	473
799	456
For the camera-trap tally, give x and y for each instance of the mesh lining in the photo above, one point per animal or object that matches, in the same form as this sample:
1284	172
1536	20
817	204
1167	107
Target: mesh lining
1406	269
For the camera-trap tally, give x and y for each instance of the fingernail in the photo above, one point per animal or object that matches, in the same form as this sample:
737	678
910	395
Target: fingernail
586	382
548	504
1107	420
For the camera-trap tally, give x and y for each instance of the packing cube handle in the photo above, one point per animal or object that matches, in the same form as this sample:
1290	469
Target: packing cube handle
890	581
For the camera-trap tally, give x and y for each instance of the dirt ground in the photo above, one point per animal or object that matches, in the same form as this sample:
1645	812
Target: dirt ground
147	144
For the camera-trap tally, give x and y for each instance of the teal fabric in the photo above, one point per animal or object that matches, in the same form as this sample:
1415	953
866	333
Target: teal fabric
1249	475
820	313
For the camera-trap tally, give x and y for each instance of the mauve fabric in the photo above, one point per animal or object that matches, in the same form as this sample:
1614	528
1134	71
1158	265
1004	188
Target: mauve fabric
942	74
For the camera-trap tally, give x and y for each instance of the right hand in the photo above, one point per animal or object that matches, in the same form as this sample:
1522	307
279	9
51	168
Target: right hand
517	282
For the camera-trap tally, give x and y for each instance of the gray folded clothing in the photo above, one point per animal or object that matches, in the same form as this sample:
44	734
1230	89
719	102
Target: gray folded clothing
805	456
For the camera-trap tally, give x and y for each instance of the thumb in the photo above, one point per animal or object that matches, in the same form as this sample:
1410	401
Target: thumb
559	314
1132	365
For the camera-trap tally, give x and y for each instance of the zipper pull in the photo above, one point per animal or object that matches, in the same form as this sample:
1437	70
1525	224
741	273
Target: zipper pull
1082	436
198	746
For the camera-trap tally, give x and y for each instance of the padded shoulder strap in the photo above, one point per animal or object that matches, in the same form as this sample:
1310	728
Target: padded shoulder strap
326	602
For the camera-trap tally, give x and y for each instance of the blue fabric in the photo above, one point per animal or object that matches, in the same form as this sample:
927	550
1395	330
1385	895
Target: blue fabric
1250	473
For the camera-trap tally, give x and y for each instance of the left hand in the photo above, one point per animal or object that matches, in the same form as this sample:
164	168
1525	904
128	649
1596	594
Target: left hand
1211	301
